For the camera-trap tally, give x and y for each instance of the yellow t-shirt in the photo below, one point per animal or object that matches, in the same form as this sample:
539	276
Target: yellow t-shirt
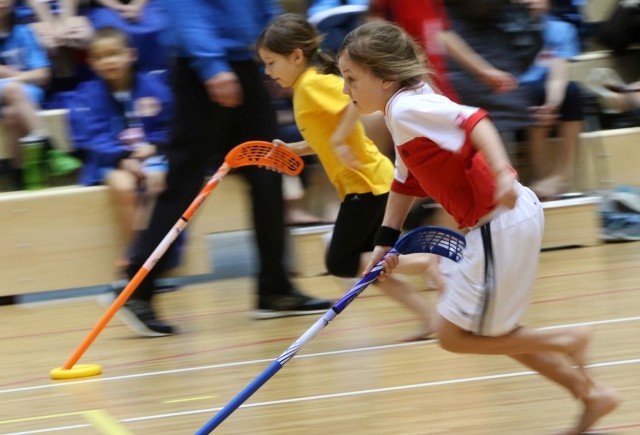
318	106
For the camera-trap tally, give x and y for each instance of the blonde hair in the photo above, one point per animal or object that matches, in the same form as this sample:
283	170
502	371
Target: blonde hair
388	52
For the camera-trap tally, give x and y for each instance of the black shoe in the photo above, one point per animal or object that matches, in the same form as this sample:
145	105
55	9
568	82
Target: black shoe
292	304
139	316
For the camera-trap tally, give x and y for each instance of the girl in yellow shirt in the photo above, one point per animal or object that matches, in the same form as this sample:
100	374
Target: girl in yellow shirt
361	174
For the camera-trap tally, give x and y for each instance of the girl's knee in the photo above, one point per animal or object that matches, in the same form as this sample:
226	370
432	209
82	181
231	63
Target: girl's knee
450	336
13	92
341	267
121	181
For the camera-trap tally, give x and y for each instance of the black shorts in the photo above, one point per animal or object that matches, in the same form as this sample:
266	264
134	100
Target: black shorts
358	220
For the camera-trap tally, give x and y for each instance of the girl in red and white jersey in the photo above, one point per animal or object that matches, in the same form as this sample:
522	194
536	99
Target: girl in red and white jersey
454	154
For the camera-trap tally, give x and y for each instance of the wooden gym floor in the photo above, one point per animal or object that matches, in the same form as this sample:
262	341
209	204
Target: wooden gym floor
354	377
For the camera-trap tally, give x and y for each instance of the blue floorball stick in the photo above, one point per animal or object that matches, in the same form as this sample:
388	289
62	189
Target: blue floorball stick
427	239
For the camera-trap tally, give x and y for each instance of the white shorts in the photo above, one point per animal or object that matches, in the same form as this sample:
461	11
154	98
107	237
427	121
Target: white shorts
490	289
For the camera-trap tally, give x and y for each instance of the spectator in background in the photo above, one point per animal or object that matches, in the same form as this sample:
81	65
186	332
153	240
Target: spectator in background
64	33
491	43
555	102
127	126
424	21
324	5
24	73
571	11
335	18
143	20
220	102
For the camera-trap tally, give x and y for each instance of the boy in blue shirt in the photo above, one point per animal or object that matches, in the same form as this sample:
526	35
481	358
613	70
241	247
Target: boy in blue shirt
125	129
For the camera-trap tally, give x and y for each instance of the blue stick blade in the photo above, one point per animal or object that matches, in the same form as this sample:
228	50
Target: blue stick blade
433	239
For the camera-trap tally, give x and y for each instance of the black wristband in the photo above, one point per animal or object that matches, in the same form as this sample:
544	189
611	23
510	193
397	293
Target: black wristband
386	236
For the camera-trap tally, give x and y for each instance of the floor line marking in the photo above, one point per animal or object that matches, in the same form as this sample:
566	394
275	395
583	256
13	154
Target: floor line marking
269	360
105	423
345	394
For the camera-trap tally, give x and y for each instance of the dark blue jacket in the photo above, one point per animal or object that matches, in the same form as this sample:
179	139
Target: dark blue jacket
103	120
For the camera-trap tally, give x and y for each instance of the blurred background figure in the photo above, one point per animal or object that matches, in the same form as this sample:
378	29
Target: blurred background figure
554	101
126	122
491	43
220	102
335	18
25	71
64	32
614	94
424	21
144	21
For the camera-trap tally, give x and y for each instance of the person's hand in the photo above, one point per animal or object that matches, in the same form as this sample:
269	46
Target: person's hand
505	193
498	80
48	35
380	253
276	143
224	88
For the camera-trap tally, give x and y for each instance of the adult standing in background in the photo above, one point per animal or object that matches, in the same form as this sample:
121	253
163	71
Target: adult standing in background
220	102
491	43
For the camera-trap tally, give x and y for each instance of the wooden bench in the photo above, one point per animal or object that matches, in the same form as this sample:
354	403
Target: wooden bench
608	158
626	64
68	237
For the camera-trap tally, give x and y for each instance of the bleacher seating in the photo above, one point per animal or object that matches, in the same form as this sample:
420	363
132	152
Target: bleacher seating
68	237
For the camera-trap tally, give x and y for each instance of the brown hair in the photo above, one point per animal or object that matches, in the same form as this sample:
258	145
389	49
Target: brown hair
111	32
388	52
290	31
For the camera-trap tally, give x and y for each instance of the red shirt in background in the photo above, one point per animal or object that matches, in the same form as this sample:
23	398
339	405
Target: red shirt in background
422	19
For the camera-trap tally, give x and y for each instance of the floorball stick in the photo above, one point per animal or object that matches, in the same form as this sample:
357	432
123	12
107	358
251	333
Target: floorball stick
428	239
252	153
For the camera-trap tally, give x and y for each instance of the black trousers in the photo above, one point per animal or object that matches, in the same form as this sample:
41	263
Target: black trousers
202	133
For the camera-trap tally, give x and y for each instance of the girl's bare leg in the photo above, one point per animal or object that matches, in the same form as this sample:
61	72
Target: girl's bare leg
571	342
396	287
125	198
403	292
547	352
598	400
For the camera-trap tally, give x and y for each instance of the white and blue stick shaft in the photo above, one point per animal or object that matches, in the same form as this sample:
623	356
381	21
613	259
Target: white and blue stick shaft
292	350
436	240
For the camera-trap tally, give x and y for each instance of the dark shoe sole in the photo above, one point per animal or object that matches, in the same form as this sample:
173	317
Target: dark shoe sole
127	317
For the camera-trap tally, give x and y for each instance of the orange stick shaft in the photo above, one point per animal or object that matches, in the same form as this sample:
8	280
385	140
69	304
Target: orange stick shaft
133	284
